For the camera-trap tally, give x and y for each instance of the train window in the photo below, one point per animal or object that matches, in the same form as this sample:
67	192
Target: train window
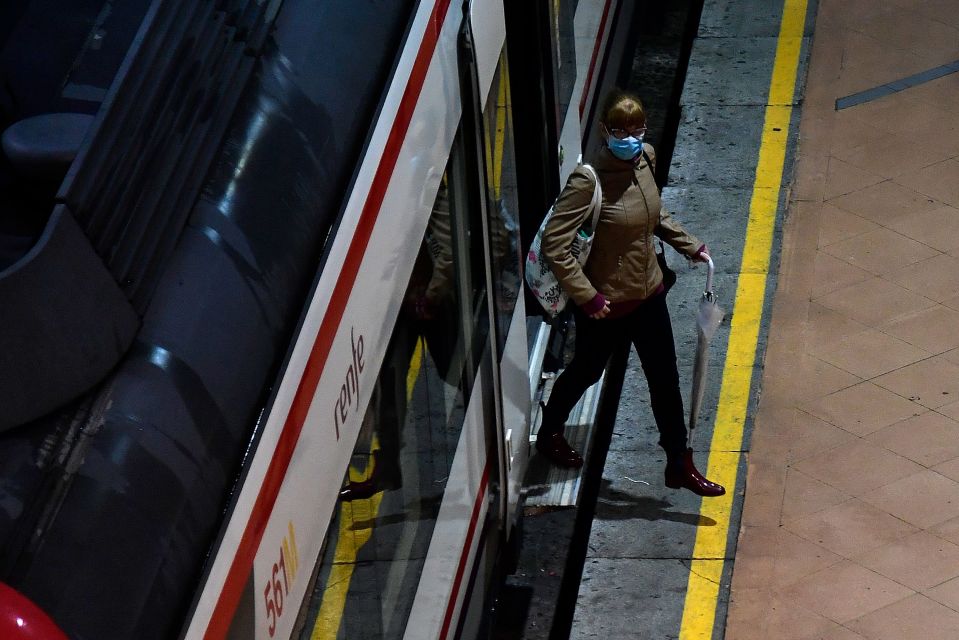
562	16
466	226
504	206
378	543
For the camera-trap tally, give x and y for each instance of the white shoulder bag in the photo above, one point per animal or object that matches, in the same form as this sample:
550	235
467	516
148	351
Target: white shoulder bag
539	275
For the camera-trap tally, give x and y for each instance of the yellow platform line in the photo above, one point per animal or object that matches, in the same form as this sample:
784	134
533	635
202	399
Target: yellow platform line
709	553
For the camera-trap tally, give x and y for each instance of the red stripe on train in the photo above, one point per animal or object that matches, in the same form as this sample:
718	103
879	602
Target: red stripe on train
458	580
243	560
592	61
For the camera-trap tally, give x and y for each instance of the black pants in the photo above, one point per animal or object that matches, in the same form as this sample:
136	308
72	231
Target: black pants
650	331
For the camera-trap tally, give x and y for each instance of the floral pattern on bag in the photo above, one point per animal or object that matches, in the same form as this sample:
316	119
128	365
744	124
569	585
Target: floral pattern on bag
540	278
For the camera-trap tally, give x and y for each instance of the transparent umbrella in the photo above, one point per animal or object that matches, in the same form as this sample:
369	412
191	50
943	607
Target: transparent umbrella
708	317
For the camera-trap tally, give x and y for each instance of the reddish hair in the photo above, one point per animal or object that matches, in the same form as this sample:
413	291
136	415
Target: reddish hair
622	110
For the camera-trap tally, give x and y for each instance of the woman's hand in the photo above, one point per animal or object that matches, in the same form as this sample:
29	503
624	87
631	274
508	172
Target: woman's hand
703	254
602	313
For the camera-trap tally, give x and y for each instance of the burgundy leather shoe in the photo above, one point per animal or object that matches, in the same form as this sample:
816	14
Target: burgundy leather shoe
558	451
366	488
360	490
384	477
681	473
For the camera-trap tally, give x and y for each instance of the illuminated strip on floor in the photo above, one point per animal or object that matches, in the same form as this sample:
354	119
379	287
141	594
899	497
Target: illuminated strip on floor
709	554
890	88
350	540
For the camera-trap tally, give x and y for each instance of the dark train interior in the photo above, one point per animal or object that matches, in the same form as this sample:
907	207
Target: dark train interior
169	178
57	61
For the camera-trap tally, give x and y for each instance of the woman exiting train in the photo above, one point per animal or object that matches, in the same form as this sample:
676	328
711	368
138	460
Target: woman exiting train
619	295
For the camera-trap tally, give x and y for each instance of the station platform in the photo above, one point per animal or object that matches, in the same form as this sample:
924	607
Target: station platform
817	154
851	518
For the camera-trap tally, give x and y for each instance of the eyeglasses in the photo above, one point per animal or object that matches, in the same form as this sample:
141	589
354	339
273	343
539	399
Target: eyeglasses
621	134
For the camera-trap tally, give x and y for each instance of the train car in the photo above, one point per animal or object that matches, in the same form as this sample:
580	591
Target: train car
266	353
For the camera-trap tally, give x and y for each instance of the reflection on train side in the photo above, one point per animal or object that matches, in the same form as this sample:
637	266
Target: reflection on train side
377	546
502	194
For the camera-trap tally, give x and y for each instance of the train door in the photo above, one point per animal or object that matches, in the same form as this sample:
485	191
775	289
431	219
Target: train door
506	277
543	72
418	494
438	466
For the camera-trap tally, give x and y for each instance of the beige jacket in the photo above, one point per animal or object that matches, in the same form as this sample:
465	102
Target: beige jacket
622	263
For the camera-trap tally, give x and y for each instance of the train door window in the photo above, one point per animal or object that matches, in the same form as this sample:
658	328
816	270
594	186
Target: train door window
467	236
502	195
379	540
563	13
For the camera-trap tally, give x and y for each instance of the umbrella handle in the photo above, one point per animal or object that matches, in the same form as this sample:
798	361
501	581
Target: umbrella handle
709	274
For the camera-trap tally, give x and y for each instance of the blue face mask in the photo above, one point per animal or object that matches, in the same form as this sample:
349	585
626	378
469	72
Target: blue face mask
625	149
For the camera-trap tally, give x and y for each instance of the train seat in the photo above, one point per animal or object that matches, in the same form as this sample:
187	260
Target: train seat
65	323
43	146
